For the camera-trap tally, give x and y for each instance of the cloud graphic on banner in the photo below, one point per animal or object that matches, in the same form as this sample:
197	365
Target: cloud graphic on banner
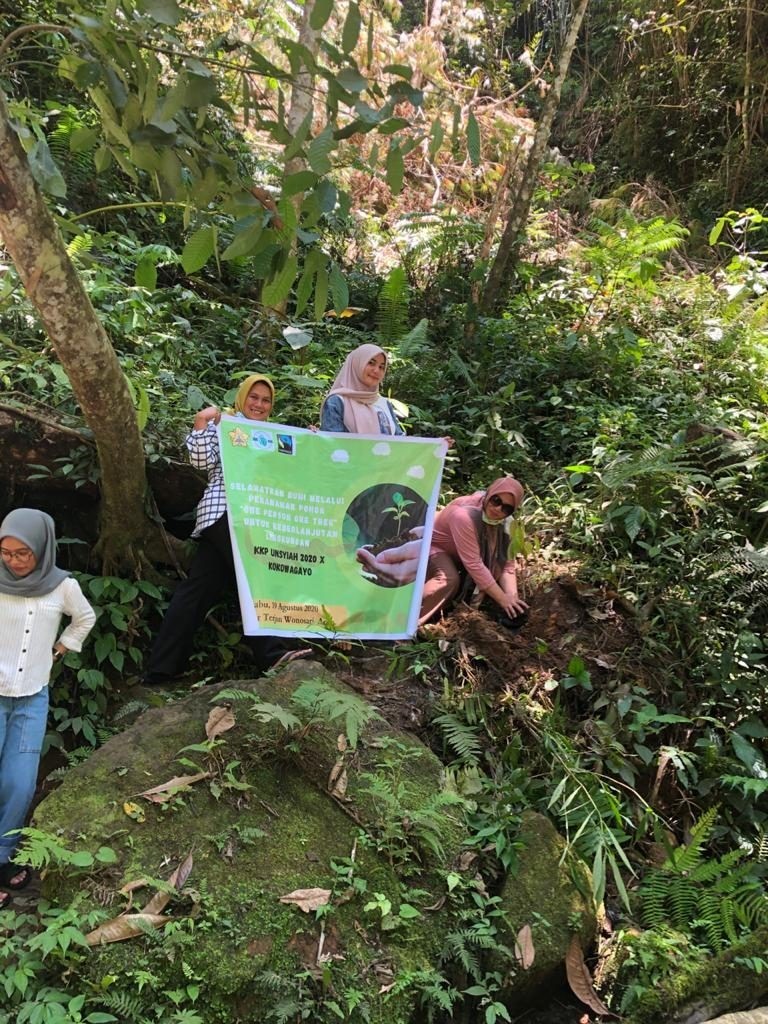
417	472
340	455
382	449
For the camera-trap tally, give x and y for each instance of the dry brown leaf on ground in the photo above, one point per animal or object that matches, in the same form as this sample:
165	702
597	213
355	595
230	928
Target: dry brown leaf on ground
124	927
337	780
179	877
220	720
162	793
524	948
580	980
307	899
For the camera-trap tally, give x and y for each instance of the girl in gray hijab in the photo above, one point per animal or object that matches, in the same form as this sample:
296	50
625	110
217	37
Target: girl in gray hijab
34	596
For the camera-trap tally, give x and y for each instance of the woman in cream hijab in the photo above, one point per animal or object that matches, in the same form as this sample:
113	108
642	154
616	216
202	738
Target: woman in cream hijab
354	405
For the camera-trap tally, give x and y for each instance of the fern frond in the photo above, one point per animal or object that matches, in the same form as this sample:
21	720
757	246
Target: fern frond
392	313
463	739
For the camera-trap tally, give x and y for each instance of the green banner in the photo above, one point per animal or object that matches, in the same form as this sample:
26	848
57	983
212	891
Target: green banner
330	532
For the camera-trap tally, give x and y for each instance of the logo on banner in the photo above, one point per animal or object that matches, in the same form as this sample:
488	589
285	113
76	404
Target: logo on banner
263	441
286	444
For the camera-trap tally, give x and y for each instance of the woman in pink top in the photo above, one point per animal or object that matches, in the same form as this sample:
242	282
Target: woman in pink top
469	535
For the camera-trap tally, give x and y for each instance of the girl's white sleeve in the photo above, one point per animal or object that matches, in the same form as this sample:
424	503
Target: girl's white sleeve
81	614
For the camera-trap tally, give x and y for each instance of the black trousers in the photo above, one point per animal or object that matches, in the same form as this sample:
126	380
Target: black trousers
211	575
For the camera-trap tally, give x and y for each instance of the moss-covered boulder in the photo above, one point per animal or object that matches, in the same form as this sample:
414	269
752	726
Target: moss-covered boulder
368	821
714	985
551	893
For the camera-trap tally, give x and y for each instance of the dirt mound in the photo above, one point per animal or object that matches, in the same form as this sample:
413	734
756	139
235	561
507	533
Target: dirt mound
567	618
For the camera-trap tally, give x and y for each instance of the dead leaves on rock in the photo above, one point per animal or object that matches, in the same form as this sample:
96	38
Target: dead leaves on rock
307	899
162	793
220	720
525	952
127	926
580	980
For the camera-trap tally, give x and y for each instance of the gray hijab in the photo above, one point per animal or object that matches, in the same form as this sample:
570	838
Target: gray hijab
35	529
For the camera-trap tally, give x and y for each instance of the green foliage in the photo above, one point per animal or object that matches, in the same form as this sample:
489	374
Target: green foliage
318	706
404	827
715	898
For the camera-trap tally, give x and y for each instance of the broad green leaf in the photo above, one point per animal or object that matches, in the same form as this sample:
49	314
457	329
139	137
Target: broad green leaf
304	290
395	169
198	249
407	912
351	31
200	91
165	12
299	182
403	70
145	274
326	195
473	139
262	260
102	159
748	755
319	151
87	74
44	169
321	293
321	12
339	289
244	241
392	125
170	170
83	140
276	290
717	230
351	80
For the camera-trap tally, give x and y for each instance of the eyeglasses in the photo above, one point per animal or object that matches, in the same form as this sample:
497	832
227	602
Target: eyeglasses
495	500
22	555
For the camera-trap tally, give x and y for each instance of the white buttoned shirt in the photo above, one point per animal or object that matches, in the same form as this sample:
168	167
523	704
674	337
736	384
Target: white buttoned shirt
28	631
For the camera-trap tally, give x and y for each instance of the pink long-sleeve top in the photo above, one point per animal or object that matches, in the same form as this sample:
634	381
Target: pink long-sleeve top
455	534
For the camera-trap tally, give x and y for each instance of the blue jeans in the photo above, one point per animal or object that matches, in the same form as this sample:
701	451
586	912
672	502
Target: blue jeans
22	729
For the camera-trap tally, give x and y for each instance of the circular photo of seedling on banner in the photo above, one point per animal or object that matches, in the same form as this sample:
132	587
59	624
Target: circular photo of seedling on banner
383	529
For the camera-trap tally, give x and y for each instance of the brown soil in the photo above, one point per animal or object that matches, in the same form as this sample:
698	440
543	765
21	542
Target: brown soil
566	618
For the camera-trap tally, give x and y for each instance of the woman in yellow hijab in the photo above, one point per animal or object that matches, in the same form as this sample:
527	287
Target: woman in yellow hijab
213	569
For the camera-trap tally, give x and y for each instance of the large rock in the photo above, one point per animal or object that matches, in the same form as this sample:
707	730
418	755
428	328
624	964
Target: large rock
233	938
717	985
551	893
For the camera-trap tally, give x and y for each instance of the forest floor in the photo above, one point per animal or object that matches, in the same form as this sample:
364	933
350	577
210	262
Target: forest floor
566	619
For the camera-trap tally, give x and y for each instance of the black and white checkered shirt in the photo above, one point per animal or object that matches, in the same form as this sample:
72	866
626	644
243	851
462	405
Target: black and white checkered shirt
203	448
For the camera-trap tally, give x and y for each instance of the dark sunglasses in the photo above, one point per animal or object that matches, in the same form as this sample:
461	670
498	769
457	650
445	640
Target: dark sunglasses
495	500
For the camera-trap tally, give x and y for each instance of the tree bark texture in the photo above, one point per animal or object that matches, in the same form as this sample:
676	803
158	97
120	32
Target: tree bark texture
498	276
34	243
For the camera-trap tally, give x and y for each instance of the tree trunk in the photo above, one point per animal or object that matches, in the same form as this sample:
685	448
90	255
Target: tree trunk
518	214
302	98
32	239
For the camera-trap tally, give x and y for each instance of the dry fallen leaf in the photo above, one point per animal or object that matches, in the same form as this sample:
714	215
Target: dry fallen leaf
179	877
524	948
124	927
307	899
220	720
162	793
341	742
337	780
580	981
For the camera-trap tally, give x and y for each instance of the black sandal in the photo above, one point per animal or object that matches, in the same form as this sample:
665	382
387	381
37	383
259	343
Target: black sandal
5	899
10	871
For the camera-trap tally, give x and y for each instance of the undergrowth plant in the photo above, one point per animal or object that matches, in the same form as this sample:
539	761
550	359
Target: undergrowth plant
717	899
